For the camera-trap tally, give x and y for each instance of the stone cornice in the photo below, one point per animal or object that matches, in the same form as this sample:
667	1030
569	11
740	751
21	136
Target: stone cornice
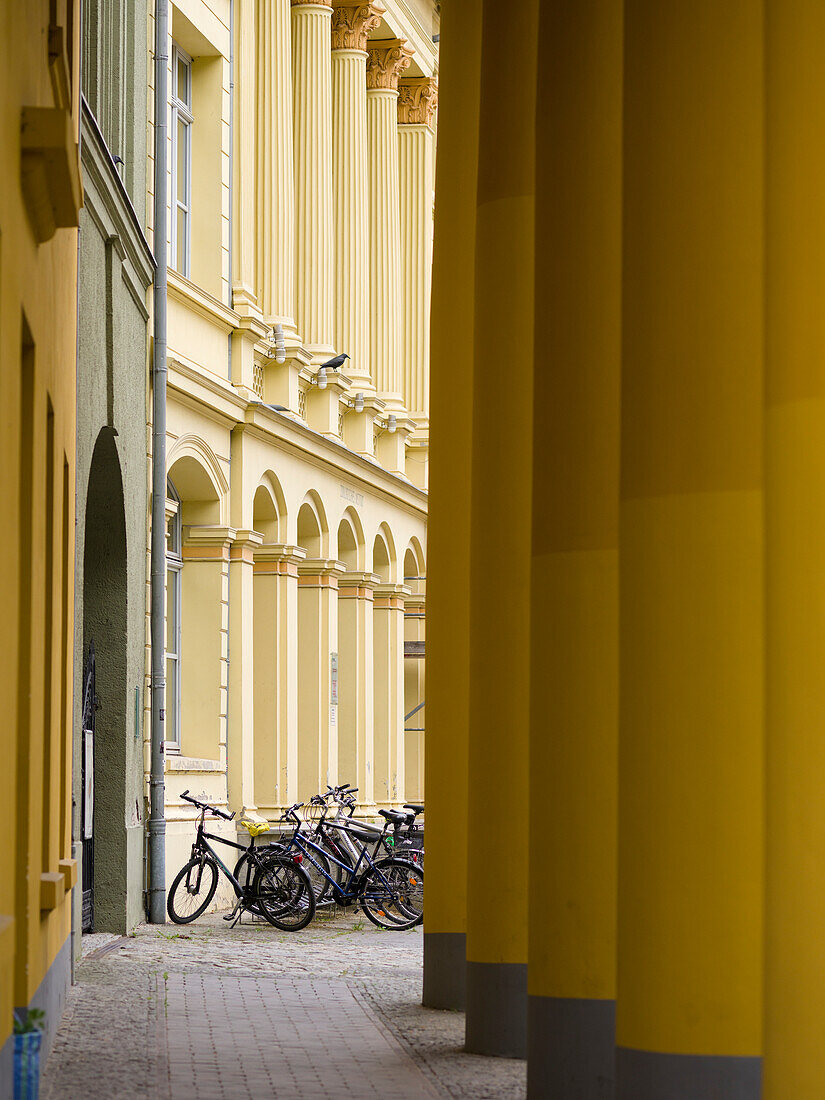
312	3
386	61
352	22
417	101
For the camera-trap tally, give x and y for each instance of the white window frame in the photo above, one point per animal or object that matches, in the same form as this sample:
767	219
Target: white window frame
181	102
174	587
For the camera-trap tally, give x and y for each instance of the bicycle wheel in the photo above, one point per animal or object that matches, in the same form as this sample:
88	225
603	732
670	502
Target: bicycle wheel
320	883
283	893
392	894
193	889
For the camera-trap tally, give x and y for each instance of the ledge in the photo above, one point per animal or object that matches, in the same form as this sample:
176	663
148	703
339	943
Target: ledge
49	170
52	890
68	868
192	764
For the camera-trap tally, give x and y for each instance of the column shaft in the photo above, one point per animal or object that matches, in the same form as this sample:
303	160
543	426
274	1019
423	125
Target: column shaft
241	723
275	232
384	65
416	149
351	23
448	522
388	643
690	898
243	277
795	529
500	550
312	130
414	693
575	585
276	677
317	641
355	675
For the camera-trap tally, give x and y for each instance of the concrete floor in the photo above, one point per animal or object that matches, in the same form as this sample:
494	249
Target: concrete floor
230	1014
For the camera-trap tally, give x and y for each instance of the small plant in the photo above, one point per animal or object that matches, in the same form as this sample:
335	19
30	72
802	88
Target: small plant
28	1020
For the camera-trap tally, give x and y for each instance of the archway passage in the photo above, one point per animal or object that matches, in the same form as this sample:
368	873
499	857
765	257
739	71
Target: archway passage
105	625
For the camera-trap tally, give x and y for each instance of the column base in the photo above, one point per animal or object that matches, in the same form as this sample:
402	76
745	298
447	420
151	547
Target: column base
651	1075
445	970
571	1048
497	1009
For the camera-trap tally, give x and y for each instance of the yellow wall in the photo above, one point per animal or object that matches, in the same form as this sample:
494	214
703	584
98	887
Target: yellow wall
37	350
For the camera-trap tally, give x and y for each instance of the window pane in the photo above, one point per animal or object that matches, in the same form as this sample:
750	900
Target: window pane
182	165
182	87
172	582
182	241
172	731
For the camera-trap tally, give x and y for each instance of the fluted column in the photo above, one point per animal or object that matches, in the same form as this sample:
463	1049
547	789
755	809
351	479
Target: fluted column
384	65
243	276
351	23
417	101
275	232
312	129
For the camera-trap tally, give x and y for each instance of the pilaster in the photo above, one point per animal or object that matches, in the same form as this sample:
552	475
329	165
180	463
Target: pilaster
355	664
388	649
275	572
241	724
312	131
317	687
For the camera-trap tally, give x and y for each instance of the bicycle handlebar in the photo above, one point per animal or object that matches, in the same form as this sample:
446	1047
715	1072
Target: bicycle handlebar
206	807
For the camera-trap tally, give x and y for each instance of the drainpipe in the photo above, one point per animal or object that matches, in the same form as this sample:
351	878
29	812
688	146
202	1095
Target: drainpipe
157	820
231	167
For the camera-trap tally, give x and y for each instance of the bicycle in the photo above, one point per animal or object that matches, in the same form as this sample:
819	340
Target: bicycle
389	891
266	881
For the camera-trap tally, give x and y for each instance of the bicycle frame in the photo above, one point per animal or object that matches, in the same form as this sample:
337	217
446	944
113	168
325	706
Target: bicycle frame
202	844
345	893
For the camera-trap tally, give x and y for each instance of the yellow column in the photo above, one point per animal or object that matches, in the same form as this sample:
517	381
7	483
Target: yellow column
500	542
241	723
385	63
244	221
351	23
276	676
317	641
448	521
312	130
275	232
355	683
414	693
417	101
689	993
388	643
795	526
575	582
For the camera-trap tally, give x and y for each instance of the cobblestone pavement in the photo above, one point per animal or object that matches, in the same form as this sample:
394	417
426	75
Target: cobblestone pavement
230	1014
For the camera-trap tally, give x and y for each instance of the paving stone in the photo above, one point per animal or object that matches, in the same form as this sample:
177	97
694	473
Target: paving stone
234	1013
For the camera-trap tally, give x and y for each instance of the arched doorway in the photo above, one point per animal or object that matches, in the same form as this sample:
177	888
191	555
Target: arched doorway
105	628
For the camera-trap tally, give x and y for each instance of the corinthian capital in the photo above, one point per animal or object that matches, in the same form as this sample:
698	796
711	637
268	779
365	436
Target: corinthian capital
312	3
352	21
386	61
417	100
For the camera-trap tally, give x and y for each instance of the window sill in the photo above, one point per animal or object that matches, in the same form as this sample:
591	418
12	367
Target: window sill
178	763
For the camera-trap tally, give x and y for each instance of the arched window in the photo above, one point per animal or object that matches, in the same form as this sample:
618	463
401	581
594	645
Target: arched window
174	565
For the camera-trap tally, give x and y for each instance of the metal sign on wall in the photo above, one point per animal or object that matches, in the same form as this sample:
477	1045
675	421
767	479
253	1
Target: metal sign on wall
333	679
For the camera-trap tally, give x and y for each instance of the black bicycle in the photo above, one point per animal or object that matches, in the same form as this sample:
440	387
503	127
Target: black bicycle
267	882
390	891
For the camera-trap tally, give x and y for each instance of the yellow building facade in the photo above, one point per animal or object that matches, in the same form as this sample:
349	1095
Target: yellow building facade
40	196
301	153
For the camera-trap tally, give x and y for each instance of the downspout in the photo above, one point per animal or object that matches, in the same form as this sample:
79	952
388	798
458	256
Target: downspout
157	820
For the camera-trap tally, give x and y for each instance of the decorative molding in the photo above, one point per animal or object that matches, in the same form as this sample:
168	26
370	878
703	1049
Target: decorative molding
386	62
352	22
417	101
312	3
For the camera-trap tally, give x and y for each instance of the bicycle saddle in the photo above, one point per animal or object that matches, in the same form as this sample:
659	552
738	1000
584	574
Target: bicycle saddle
414	806
255	828
395	815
